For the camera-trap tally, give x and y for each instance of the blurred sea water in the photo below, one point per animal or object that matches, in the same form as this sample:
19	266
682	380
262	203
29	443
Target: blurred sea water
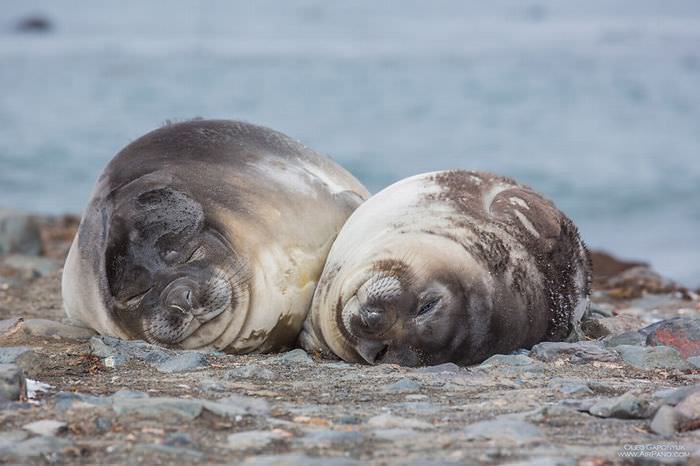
594	103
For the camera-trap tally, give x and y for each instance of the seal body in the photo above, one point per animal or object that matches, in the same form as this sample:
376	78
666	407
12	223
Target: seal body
449	266
207	234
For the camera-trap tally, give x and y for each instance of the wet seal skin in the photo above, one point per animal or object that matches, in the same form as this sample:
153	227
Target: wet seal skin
207	234
451	266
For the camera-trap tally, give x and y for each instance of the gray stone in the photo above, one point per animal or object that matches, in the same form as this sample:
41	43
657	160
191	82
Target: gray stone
13	385
395	434
250	371
22	356
247	404
50	328
448	367
568	387
388	421
628	338
512	431
626	406
350	419
300	459
507	360
174	451
40	446
252	439
690	406
103	423
296	356
155	407
71	400
554	415
330	438
12	437
186	361
652	357
667	421
673	396
544	461
19	233
404	385
31	266
116	352
577	353
8	326
694	361
46	427
178	439
418	407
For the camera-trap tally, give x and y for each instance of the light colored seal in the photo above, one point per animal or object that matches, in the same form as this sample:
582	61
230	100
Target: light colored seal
207	234
449	266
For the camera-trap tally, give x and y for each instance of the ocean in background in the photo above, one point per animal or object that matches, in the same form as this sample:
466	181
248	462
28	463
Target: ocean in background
594	103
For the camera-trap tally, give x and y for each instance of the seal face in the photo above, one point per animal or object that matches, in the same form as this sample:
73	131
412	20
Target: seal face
207	234
449	266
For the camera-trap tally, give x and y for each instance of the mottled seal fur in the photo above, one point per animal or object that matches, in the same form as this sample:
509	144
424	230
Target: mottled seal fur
207	234
449	266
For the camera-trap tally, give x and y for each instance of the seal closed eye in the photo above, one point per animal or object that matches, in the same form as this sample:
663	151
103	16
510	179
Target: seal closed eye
207	234
450	266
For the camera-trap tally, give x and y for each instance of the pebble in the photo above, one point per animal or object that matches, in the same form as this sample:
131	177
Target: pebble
22	356
690	406
667	421
388	421
50	328
252	439
626	406
30	267
654	357
394	434
46	427
34	447
103	423
19	233
330	438
178	439
404	385
156	407
296	356
9	326
627	338
448	367
577	353
300	459
248	404
673	396
512	431
250	371
13	385
350	419
184	362
567	387
545	461
507	360
11	437
681	333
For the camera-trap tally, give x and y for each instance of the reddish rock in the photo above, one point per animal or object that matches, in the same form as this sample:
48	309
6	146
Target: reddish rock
681	333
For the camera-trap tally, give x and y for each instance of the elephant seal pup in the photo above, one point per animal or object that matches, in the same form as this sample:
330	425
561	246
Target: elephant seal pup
449	266
207	234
